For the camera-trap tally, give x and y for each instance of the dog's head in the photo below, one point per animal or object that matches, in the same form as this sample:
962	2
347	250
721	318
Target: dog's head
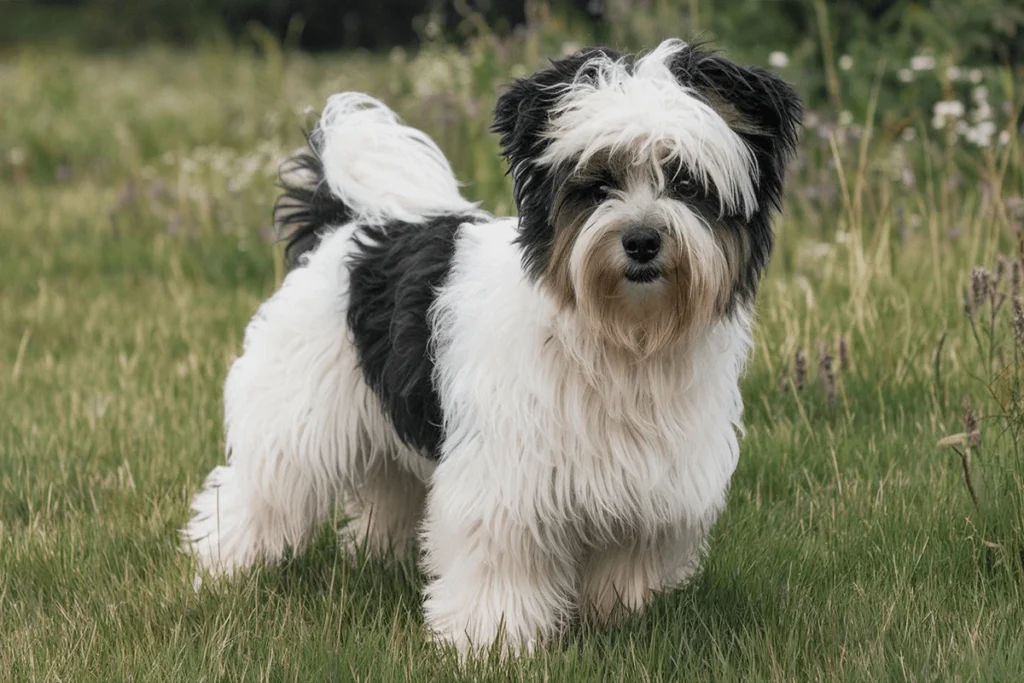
645	186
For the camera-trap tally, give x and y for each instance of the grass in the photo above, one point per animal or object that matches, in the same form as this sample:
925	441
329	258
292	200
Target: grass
136	193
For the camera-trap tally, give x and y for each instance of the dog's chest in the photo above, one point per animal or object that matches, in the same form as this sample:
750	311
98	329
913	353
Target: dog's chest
558	434
648	447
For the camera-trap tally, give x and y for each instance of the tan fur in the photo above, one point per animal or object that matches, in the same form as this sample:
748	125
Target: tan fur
586	267
569	218
729	113
735	244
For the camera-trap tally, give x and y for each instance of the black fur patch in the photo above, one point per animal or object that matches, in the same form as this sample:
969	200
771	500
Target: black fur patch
520	119
772	113
395	273
306	209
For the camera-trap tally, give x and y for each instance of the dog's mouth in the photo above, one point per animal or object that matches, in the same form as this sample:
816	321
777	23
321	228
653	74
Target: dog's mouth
642	273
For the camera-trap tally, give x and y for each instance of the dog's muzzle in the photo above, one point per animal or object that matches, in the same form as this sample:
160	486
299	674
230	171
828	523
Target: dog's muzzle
642	245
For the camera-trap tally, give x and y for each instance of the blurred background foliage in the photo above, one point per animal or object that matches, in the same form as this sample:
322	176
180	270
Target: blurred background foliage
945	69
814	42
976	31
817	41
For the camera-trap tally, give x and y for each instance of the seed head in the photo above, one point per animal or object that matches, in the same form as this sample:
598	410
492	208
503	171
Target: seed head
968	303
980	278
1001	268
799	369
828	376
970	421
1018	321
996	297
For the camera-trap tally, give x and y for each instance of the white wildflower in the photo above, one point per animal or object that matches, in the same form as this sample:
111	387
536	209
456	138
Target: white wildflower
1004	137
976	76
979	94
946	110
986	128
954	73
950	108
846	62
778	60
978	139
981	135
983	112
906	75
845	118
922	63
908	134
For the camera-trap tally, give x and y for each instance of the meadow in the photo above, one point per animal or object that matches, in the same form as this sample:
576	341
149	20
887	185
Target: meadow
875	528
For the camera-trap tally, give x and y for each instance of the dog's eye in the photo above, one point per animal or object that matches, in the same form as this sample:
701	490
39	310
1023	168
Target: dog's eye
598	190
684	187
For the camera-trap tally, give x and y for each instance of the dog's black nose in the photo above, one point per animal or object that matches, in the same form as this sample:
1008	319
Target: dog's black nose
641	244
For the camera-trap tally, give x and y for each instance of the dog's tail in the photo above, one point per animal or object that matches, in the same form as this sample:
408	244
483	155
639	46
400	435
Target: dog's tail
361	164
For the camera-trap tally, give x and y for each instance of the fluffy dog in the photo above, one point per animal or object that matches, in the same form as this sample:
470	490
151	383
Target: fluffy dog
549	404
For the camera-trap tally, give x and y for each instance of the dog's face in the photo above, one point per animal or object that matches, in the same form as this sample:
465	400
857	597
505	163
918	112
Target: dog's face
645	187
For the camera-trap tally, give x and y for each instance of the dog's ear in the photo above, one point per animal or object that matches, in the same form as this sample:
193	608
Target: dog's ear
767	114
761	107
522	112
521	118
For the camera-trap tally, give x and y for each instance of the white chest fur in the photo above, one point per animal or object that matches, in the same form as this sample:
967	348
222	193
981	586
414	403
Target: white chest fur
592	443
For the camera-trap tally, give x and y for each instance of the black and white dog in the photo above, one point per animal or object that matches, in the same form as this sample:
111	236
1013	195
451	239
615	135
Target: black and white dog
549	404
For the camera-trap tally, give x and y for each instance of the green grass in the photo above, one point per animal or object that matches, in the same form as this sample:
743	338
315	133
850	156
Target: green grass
136	194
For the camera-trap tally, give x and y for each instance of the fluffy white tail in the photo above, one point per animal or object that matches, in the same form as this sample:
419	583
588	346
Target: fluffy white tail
381	168
362	165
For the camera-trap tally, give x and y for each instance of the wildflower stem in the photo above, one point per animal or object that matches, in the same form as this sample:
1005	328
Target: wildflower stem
977	337
937	362
825	33
965	462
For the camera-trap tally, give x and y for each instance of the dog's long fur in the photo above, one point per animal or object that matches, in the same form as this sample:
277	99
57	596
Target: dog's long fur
555	419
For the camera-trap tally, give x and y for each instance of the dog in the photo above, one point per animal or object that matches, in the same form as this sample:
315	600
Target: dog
549	404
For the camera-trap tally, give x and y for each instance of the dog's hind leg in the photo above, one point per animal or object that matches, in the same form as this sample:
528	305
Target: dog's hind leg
386	509
301	425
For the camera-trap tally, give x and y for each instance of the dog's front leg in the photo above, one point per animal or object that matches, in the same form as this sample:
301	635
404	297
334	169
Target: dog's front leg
496	579
621	578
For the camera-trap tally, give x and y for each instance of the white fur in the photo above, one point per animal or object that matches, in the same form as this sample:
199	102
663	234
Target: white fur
573	477
301	427
558	453
650	114
382	167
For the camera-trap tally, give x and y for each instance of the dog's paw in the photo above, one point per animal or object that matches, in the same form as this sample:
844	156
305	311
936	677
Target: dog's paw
501	647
